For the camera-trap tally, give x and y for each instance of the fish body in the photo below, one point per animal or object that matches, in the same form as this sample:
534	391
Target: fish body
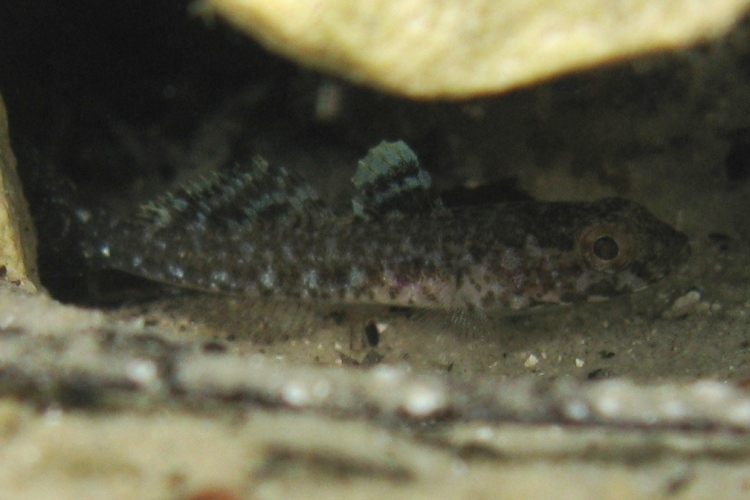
262	232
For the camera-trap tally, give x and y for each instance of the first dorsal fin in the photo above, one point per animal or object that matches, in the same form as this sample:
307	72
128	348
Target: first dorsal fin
238	196
389	180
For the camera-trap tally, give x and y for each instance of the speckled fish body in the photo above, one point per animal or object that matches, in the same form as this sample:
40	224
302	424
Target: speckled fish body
399	247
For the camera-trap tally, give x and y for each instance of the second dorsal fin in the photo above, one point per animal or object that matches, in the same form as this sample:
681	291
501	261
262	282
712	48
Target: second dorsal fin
237	196
389	180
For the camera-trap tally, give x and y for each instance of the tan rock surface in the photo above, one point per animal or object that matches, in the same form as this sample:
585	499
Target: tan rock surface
93	407
61	454
457	48
17	238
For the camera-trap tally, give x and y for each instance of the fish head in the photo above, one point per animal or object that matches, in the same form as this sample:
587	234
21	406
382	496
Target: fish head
623	248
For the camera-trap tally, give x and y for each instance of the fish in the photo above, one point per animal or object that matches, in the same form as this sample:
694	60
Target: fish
259	230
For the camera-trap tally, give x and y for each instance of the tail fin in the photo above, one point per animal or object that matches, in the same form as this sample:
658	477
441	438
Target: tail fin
63	228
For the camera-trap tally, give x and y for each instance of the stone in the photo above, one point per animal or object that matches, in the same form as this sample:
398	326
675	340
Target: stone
462	48
17	236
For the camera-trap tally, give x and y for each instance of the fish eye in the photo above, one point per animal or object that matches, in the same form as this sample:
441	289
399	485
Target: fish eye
607	246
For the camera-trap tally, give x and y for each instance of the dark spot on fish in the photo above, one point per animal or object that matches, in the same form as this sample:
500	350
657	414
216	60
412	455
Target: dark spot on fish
488	299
